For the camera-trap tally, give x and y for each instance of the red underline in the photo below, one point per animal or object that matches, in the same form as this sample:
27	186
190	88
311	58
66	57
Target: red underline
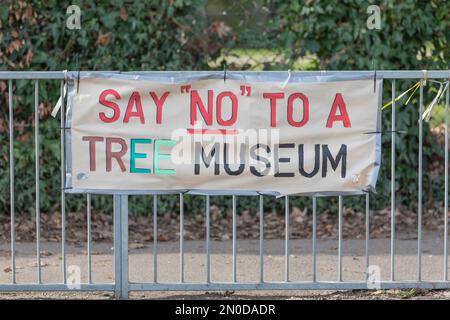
212	131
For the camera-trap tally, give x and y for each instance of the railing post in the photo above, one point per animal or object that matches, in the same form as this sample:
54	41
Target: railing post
124	235
121	246
117	247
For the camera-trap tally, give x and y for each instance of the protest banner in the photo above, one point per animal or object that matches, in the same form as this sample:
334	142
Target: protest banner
317	135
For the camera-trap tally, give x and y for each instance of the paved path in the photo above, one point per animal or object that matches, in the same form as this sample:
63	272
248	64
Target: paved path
247	262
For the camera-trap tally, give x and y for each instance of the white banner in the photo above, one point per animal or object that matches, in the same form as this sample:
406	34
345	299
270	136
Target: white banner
209	135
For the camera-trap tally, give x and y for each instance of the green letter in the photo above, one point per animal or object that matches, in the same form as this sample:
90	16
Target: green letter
135	155
159	156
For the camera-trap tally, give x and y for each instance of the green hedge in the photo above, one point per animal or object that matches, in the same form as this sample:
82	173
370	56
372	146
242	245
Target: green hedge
414	35
183	35
114	35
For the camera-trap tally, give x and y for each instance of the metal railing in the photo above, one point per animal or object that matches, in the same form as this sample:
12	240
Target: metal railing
122	285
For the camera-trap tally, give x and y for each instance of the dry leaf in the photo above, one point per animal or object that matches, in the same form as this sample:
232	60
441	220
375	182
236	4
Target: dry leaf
28	57
136	246
103	39
123	14
34	264
14	46
220	28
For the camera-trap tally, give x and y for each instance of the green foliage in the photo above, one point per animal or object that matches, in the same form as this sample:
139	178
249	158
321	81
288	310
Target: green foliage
414	35
114	35
188	35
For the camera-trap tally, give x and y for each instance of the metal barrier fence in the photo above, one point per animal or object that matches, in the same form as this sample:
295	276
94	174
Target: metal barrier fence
121	285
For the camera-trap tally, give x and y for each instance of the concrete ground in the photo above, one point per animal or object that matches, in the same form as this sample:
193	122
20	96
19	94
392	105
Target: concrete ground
141	266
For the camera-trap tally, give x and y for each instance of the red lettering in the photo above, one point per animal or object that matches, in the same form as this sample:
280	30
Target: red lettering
117	154
92	140
234	105
102	100
197	101
305	119
273	105
159	102
135	99
343	116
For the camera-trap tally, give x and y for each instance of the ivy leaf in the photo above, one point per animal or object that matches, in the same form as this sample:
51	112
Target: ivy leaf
312	45
109	20
4	12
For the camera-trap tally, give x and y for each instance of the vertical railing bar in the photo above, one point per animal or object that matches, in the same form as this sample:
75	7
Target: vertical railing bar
314	240
340	240
261	238
367	234
117	246
37	179
286	239
89	237
234	239
11	181
181	237
155	238
419	200
393	206
124	246
63	196
446	185
208	236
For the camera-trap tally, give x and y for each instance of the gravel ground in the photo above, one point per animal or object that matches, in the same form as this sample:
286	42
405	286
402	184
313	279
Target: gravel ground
310	295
